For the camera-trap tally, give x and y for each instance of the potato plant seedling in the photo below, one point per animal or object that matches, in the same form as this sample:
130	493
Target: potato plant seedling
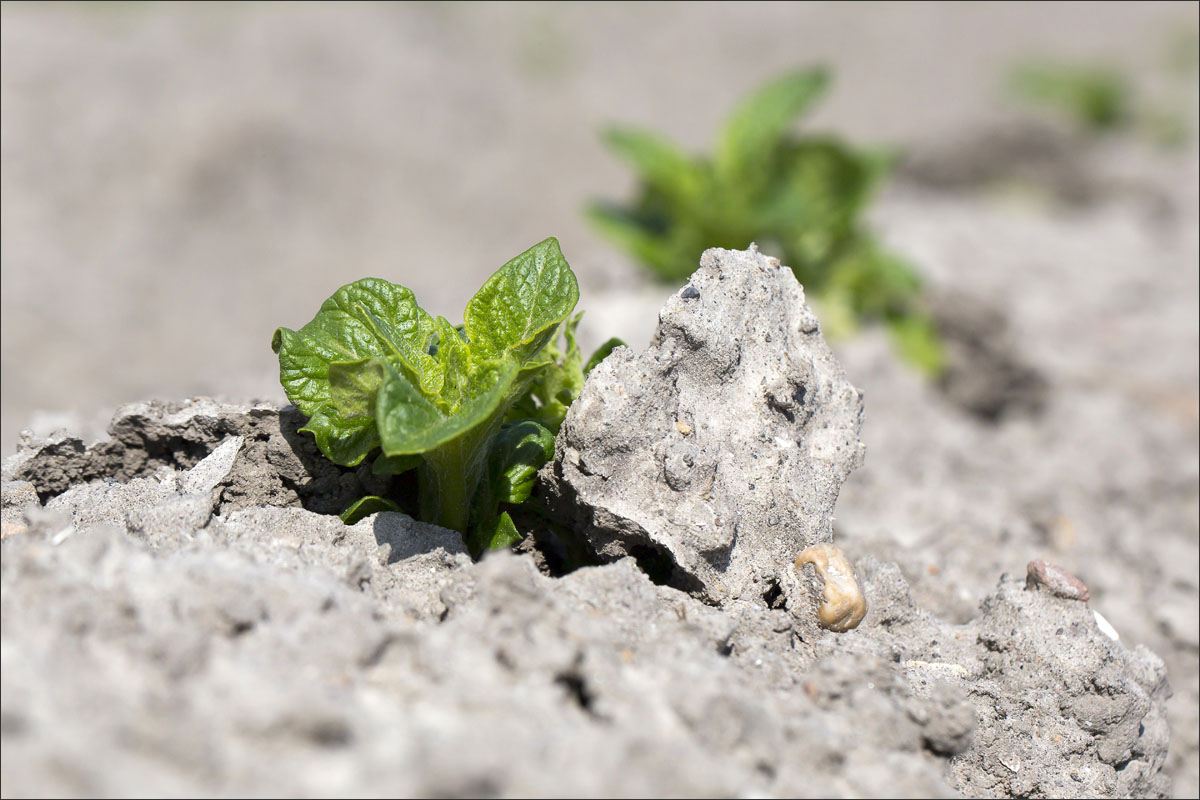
472	408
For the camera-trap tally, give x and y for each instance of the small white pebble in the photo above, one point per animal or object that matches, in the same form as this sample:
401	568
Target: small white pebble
1106	627
62	536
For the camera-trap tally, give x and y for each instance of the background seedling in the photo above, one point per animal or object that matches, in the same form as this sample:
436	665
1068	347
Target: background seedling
1094	97
800	198
1099	98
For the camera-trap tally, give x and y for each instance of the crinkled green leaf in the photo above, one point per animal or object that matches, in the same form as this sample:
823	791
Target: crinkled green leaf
518	451
353	386
553	382
409	423
365	319
453	354
518	308
365	507
368	319
760	122
374	371
343	441
557	383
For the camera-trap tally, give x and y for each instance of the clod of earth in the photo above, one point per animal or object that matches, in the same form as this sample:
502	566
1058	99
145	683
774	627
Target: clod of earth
721	503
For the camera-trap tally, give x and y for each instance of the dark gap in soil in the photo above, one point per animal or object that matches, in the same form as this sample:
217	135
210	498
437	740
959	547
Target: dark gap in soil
776	405
661	569
577	690
556	550
773	596
240	628
331	734
505	660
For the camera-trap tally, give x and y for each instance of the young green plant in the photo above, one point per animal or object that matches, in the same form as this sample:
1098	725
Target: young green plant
378	376
801	198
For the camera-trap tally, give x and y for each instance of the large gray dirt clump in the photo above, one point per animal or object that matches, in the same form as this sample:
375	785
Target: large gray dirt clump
722	447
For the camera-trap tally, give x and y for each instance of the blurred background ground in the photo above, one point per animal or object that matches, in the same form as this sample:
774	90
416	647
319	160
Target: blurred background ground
180	180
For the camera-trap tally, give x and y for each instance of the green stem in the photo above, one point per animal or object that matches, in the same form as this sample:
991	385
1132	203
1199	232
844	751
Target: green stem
450	476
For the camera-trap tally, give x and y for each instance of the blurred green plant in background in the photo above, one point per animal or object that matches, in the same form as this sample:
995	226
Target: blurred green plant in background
800	198
1095	97
1098	98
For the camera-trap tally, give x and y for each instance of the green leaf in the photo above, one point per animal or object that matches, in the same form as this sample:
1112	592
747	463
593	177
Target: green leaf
553	383
659	163
343	441
518	451
516	454
820	190
557	383
602	352
498	533
353	386
394	465
917	340
626	231
365	507
454	355
760	122
517	310
363	321
366	319
801	198
409	423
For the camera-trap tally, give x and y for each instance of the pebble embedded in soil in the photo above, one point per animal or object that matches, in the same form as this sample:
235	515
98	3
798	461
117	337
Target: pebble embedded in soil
1056	579
842	603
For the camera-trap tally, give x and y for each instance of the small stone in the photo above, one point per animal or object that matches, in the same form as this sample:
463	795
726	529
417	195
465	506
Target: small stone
842	603
1060	582
1106	627
213	468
